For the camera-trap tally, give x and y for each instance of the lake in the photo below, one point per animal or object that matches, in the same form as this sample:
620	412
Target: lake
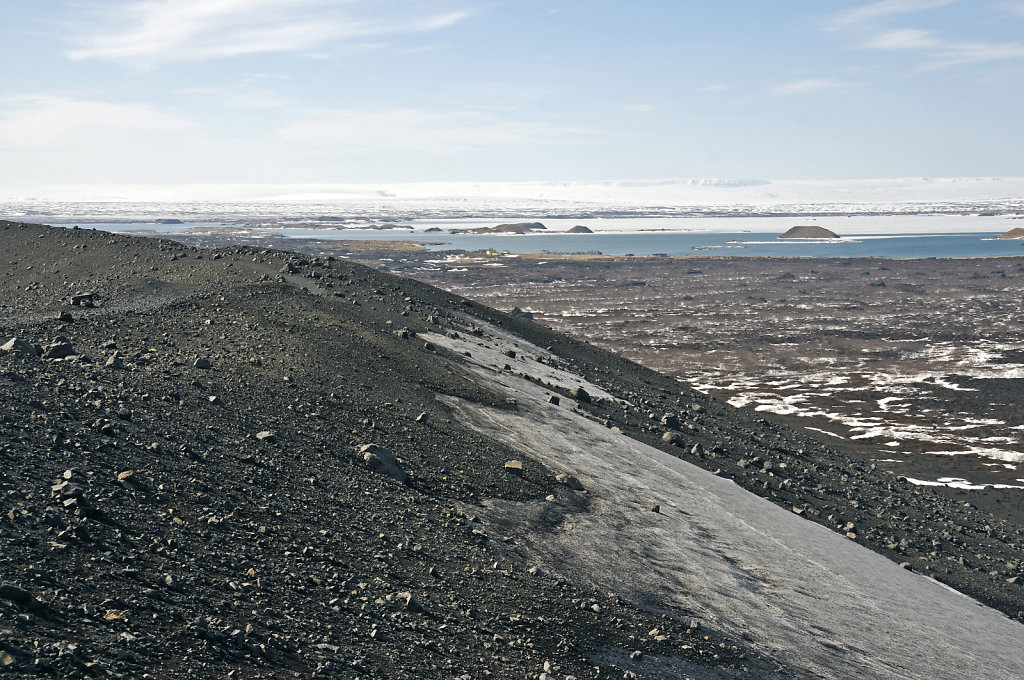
889	236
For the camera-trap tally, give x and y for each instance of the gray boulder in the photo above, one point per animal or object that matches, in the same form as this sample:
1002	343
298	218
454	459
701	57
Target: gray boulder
60	348
19	346
673	438
380	459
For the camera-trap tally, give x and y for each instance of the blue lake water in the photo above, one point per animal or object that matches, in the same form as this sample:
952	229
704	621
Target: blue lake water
694	243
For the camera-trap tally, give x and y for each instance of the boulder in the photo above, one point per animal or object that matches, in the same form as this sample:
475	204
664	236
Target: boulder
569	481
83	300
60	348
580	395
674	438
19	346
380	459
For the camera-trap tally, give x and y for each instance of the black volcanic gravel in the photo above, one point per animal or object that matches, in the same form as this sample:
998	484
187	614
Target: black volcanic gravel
150	527
145	528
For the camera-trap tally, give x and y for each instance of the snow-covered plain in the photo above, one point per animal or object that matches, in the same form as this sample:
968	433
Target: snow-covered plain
653	192
621	198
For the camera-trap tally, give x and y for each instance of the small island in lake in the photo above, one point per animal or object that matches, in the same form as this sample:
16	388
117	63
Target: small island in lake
811	231
580	229
1017	233
516	228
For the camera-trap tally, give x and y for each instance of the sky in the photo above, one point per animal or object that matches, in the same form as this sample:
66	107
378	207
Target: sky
321	91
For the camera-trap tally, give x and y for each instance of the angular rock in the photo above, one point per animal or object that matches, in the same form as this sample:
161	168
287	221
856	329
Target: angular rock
202	362
411	603
514	467
19	346
60	348
266	436
83	300
380	459
14	592
569	481
674	438
581	395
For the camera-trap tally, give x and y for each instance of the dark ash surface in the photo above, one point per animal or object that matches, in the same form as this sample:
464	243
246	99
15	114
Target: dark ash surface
222	550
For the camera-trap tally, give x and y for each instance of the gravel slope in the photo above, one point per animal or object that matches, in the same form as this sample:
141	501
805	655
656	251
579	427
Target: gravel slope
160	517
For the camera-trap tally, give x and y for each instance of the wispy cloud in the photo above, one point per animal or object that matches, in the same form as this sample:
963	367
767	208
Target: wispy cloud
934	50
906	39
810	85
878	10
1013	7
155	31
247	94
37	123
418	130
940	53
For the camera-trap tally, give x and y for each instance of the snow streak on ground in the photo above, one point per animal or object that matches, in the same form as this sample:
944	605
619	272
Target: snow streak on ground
792	588
920	358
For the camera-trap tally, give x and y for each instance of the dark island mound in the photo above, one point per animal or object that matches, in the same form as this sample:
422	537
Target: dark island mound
516	228
811	231
1015	233
249	461
388	225
168	220
580	229
433	230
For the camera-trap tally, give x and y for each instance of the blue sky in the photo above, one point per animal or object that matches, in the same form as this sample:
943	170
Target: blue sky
306	91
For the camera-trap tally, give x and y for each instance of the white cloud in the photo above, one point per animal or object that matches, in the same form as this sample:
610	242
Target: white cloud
641	108
154	31
1013	6
809	85
940	53
55	123
907	39
876	10
247	94
416	130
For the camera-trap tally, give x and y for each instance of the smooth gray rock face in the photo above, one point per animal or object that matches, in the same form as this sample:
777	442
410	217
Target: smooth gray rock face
380	459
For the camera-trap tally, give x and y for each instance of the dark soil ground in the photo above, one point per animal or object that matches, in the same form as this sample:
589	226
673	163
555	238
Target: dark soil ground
150	527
